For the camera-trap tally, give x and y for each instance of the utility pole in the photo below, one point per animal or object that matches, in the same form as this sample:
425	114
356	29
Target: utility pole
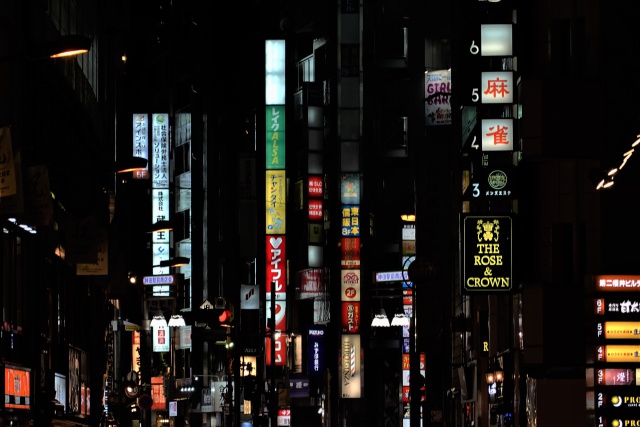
420	273
273	410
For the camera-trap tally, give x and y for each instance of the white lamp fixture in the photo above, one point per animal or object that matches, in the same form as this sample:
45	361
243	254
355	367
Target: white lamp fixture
400	319
176	321
158	320
380	319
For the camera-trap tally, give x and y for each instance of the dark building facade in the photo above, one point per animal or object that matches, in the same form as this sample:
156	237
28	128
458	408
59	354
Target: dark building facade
412	162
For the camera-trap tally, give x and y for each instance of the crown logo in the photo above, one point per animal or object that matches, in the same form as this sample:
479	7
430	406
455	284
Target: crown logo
488	231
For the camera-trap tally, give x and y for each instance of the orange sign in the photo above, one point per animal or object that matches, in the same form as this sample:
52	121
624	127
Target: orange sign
620	330
157	394
16	388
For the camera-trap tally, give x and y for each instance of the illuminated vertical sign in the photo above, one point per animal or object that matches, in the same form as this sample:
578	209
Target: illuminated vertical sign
160	239
160	151
141	142
315	209
487	247
85	399
351	317
280	335
276	194
350	376
275	201
350	220
160	203
437	97
276	266
617	356
315	187
350	285
275	125
315	349
158	394
161	339
350	252
350	189
60	386
274	72
135	351
17	390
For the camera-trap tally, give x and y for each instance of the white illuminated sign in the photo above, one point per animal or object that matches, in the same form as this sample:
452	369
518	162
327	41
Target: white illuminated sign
161	339
158	280
497	87
160	151
160	239
274	72
496	40
391	276
141	140
350	376
497	134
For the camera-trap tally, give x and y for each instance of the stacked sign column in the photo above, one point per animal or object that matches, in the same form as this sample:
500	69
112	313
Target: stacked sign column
275	211
613	394
350	122
350	286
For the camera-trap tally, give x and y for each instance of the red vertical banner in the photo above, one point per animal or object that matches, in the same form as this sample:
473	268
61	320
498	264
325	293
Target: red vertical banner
315	187
135	351
157	394
351	317
276	266
280	332
350	252
315	210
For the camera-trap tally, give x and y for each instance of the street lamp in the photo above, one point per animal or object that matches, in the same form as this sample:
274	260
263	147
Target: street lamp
129	164
175	262
158	320
176	321
69	45
66	46
380	319
494	374
161	226
400	319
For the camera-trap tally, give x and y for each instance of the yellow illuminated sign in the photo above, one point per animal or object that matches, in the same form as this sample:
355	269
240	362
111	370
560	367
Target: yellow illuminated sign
275	183
619	330
487	245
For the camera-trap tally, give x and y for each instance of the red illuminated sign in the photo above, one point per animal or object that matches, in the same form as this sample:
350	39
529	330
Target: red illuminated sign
315	187
276	265
281	333
17	388
617	283
351	317
315	210
350	252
